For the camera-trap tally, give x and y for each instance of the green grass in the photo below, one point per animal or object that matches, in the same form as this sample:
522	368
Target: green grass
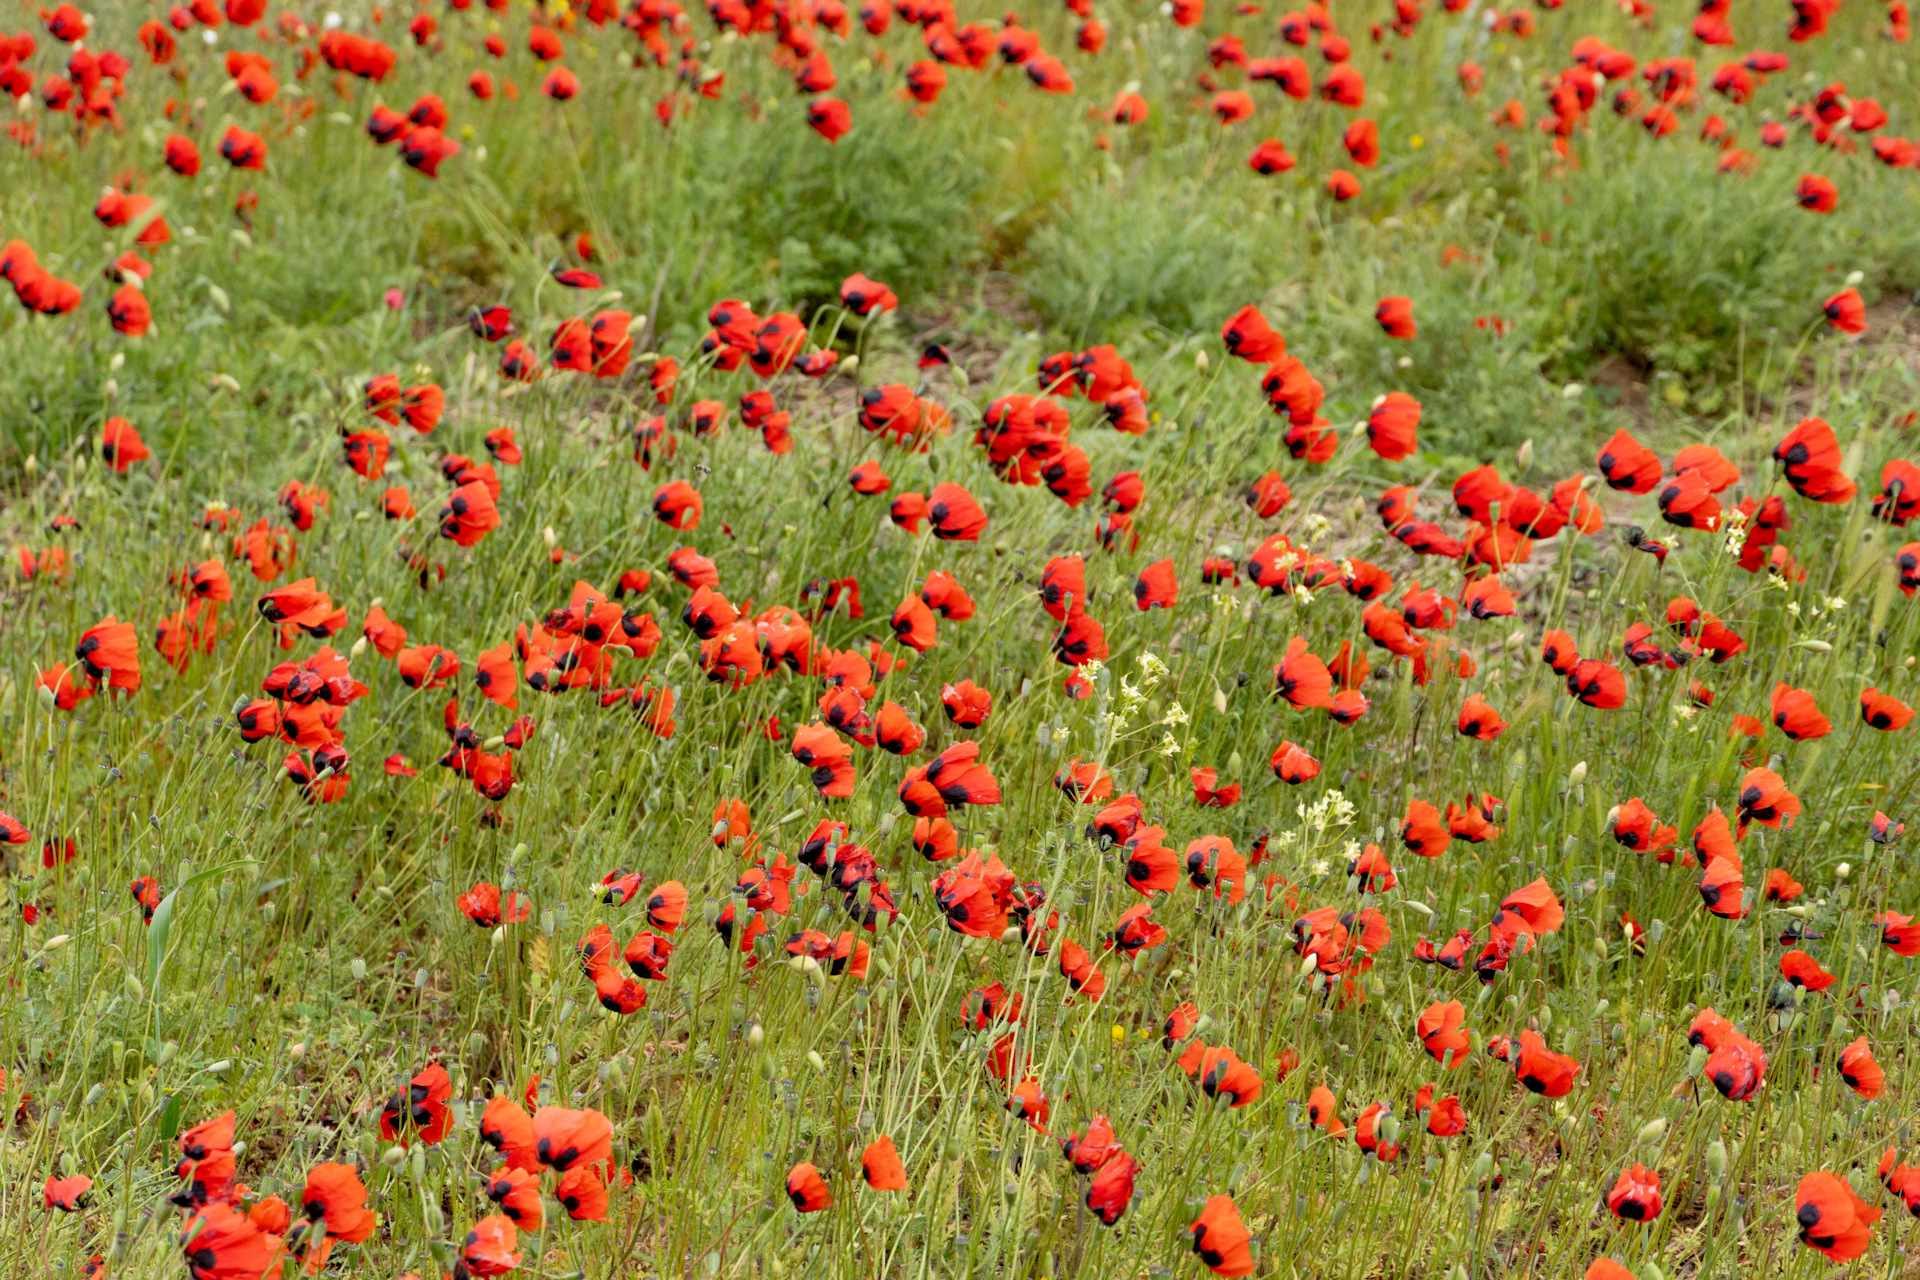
314	957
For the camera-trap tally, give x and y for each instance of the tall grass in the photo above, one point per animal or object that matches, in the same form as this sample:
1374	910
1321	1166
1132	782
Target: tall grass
314	957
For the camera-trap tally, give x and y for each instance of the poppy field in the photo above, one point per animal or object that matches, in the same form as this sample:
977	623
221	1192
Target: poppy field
885	639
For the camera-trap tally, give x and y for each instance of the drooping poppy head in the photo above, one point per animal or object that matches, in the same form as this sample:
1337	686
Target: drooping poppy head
807	1189
488	1248
334	1191
1541	1070
221	1243
1628	465
667	906
1862	1074
566	1138
1395	314
1110	1192
1736	1068
1220	1238
880	1165
422	1110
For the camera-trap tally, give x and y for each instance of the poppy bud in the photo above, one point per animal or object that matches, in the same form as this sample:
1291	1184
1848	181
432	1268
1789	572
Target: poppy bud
46	696
815	1061
1200	361
1717	1158
359	968
1697	1060
419	1164
1646	1024
1524	454
1652	1132
1577	774
168	1051
393	1157
267	912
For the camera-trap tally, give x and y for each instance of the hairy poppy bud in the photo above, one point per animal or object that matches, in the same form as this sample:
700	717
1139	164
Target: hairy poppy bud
1697	1060
393	1157
1717	1158
1652	1132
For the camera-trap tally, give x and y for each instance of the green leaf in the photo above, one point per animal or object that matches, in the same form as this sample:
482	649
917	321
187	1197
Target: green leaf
162	923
